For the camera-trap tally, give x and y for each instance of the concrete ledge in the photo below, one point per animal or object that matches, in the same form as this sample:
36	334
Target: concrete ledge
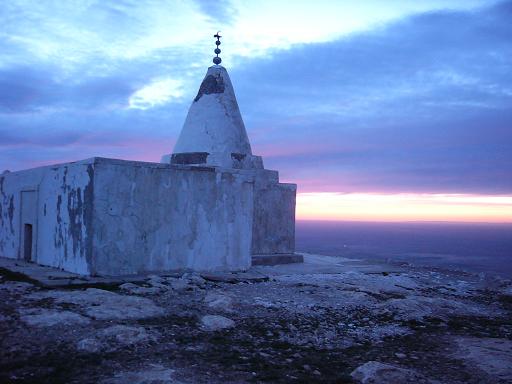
278	258
49	277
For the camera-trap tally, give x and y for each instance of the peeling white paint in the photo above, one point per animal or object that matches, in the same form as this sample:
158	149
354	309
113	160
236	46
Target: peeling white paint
115	217
59	220
214	123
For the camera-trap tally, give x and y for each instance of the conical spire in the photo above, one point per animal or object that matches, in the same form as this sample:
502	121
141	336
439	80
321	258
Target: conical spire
214	124
214	132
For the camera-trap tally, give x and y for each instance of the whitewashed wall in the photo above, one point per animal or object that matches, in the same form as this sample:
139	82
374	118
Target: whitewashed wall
273	230
116	217
154	217
61	217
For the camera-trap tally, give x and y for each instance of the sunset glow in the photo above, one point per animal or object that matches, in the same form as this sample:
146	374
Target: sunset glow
404	207
376	110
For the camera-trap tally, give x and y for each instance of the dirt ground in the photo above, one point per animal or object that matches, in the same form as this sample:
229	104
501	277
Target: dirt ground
306	326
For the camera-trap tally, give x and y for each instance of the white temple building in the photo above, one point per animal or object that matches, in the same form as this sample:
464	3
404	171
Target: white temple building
210	205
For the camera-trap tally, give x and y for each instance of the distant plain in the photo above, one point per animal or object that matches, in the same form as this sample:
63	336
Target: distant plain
472	247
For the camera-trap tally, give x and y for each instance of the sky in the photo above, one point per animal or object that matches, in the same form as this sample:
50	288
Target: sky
379	110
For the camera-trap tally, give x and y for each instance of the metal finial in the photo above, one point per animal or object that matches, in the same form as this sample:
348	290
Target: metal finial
217	60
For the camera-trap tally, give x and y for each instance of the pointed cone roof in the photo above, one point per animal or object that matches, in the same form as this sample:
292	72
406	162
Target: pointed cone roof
214	123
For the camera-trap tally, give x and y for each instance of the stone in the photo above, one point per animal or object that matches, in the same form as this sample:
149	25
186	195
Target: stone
16	286
129	287
178	284
41	317
415	307
155	279
90	345
126	335
138	290
216	323
105	305
153	374
219	302
265	302
377	333
235	278
506	294
374	372
115	337
194	279
158	283
493	356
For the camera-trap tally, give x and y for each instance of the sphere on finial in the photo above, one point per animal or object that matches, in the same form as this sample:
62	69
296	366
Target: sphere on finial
217	60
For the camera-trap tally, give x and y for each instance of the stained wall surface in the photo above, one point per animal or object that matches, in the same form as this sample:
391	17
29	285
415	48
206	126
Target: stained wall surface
154	217
115	217
214	123
55	203
273	229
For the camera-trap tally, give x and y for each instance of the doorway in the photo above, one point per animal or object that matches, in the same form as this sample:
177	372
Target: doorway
28	227
27	242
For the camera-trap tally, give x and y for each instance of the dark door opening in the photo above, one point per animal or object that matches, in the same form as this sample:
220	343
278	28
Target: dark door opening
27	242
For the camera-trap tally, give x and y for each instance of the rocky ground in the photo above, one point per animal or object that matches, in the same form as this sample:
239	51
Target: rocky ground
333	325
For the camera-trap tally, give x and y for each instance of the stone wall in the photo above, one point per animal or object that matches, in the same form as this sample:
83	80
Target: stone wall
154	217
45	215
114	217
273	229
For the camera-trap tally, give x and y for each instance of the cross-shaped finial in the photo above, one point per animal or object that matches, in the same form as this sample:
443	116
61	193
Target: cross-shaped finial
217	60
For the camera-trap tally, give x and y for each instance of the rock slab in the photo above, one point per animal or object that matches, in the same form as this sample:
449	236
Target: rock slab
493	356
374	372
115	337
40	317
216	323
105	305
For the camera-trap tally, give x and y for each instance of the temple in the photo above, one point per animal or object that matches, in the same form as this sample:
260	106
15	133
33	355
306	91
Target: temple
210	205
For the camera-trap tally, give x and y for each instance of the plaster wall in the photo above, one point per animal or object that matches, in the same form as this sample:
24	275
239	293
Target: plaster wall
156	217
214	123
114	217
273	228
57	203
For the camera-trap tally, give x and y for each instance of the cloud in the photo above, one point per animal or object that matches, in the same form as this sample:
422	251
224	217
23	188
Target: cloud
158	92
421	104
24	89
221	12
